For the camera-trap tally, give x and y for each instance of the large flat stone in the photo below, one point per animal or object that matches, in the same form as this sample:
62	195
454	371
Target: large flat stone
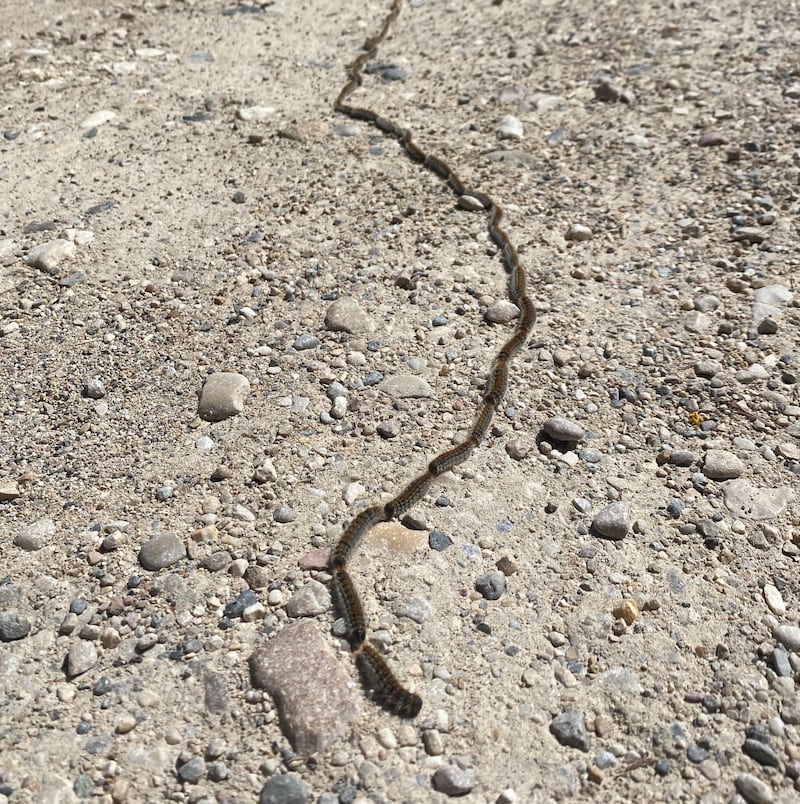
315	695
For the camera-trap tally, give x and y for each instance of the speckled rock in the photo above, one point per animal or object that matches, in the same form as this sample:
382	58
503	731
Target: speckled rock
747	501
311	599
315	697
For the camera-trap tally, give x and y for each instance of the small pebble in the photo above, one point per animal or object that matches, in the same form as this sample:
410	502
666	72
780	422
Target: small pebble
82	656
407	386
283	515
439	540
753	790
310	600
613	521
304	342
222	396
788	636
761	752
720	464
161	551
453	781
569	728
47	256
562	429
13	625
193	770
94	388
774	600
578	233
510	128
627	610
491	585
345	315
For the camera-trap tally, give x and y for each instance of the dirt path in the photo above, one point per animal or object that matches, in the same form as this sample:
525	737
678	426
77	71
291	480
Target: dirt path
179	199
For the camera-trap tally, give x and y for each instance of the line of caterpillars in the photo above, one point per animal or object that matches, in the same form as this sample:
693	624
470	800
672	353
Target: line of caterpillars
376	673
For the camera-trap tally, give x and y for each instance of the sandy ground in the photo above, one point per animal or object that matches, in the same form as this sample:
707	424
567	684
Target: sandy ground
212	206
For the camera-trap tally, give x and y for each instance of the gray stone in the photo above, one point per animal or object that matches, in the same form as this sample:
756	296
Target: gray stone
768	302
82	656
720	464
706	303
283	514
13	625
747	501
753	790
94	388
681	457
161	551
569	728
754	373
788	636
707	368
407	386
217	771
562	429
613	521
344	315
761	752
311	599
36	535
491	585
83	786
316	697
192	771
711	139
222	396
453	781
283	790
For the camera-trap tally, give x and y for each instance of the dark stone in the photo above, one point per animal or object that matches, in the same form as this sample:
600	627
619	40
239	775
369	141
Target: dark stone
569	728
761	753
283	790
491	585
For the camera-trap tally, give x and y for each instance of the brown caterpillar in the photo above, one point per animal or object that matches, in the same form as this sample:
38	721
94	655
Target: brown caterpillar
377	674
387	690
349	604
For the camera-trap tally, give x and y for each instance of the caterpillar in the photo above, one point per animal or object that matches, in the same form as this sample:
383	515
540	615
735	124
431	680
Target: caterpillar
376	673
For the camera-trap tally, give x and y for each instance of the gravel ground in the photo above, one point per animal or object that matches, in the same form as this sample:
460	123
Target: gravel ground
230	319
